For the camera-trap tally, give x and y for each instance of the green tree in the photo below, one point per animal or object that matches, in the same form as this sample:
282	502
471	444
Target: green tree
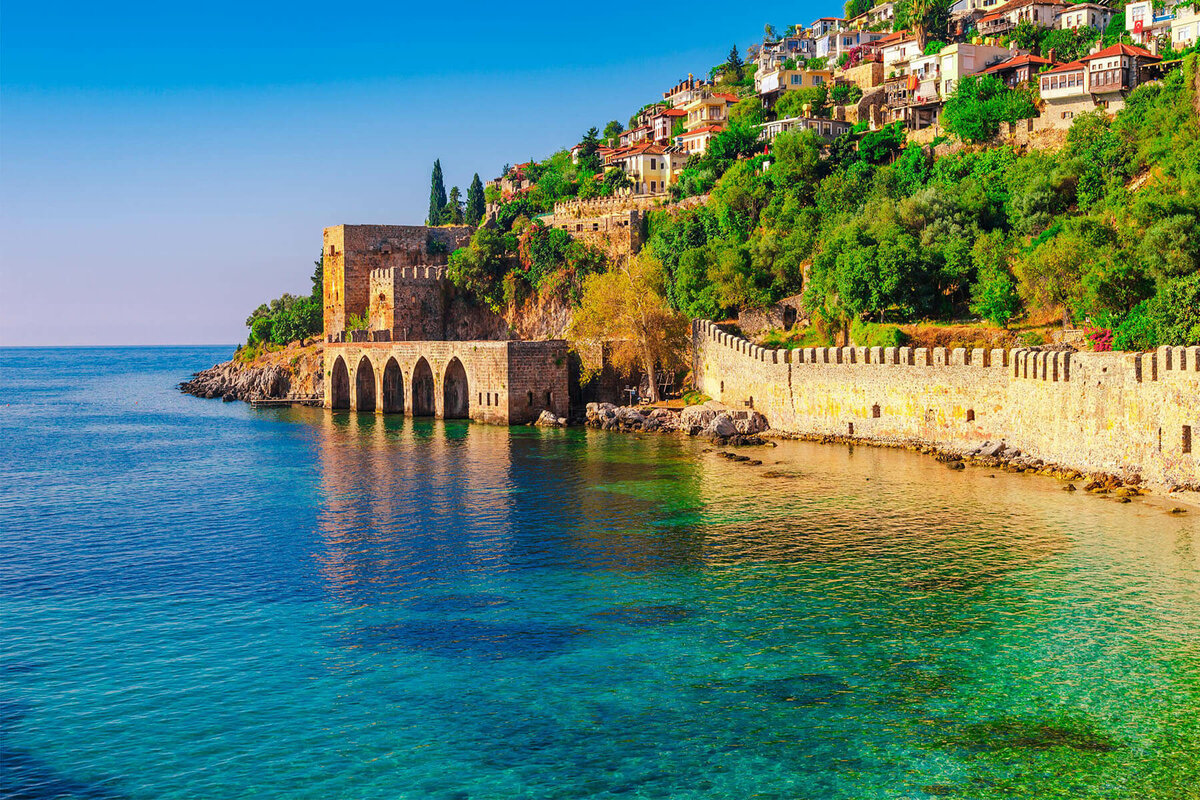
979	103
627	306
994	292
437	195
453	212
318	279
613	131
734	67
589	151
923	17
476	205
480	267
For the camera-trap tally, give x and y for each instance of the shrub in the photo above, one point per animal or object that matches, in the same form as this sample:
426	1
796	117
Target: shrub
871	334
1136	332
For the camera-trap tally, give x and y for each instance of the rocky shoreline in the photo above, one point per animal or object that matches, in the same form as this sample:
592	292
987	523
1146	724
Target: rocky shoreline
727	427
293	373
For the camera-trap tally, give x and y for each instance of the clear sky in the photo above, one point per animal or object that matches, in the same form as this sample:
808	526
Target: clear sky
165	167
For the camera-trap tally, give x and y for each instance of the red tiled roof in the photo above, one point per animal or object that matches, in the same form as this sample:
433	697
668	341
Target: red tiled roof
705	129
732	98
1025	59
1074	65
671	112
897	36
635	130
1122	50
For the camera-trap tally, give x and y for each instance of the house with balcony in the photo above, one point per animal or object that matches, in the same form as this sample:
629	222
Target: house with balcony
1145	24
773	84
828	129
1085	15
652	167
1100	80
710	108
1042	13
1185	27
1019	69
634	135
965	14
824	25
662	124
697	140
897	48
958	60
685	91
881	17
834	44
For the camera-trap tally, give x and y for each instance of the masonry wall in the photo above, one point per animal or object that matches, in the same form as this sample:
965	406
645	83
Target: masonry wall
408	302
537	380
351	252
1112	412
500	375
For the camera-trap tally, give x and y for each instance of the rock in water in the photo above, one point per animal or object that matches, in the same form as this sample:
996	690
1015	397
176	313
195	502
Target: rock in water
547	419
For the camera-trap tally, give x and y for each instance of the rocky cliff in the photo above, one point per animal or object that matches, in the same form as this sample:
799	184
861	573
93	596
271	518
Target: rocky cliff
295	372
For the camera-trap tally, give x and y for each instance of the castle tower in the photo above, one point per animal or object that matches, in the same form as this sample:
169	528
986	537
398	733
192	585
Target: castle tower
409	302
352	252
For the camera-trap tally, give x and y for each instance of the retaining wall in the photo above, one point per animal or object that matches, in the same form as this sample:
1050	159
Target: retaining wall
1113	412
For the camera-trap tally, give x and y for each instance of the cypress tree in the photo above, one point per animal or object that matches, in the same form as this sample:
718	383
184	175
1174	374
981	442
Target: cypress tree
476	206
454	210
437	195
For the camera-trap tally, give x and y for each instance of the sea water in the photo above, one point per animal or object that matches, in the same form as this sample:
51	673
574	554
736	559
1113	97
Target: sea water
203	600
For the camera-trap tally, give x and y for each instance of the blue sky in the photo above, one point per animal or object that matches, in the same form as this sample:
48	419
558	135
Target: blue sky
164	169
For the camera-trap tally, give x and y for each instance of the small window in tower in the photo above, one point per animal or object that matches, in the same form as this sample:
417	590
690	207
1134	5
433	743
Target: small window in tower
875	411
1187	439
530	394
970	415
549	398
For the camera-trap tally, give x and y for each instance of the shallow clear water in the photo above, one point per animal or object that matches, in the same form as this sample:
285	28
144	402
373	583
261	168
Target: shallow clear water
200	600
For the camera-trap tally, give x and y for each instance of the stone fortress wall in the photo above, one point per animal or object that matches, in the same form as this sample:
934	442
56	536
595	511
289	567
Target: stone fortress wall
1111	412
407	360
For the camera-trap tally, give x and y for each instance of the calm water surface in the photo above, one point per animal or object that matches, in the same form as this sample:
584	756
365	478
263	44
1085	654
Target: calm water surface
200	600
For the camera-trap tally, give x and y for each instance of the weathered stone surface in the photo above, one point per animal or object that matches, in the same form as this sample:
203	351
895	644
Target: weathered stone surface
1133	415
547	419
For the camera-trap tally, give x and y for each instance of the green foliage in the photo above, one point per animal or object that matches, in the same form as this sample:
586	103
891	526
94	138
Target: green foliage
845	94
871	334
994	292
1176	311
747	111
476	205
1115	31
480	267
980	103
1136	331
1067	44
437	195
734	67
289	318
792	102
934	47
853	8
613	131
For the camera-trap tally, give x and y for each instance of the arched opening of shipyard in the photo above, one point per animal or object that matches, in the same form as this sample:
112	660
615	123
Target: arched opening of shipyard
455	392
422	389
364	385
340	381
393	388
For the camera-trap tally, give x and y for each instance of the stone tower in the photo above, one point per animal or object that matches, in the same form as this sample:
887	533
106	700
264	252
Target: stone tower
353	252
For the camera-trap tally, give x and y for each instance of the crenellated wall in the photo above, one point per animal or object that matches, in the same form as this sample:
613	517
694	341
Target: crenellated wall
1112	412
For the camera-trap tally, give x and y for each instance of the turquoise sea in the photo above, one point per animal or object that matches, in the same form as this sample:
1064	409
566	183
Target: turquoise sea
201	600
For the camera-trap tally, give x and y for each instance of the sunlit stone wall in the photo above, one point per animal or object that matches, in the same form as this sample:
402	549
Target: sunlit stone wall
1113	412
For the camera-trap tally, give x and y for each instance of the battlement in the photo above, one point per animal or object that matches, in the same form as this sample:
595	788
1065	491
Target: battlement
1024	363
1129	413
427	273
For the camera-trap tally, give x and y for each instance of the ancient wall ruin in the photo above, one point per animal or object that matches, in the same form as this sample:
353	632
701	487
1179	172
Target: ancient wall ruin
351	252
497	382
1112	412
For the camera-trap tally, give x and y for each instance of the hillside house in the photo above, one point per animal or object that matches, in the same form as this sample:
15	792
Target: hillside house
1100	80
1085	15
686	91
1019	69
652	167
1042	13
828	129
1185	27
710	108
696	141
1145	24
663	123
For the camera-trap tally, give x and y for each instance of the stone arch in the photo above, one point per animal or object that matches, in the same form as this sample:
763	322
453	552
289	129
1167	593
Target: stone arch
422	389
393	388
456	393
364	385
339	394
